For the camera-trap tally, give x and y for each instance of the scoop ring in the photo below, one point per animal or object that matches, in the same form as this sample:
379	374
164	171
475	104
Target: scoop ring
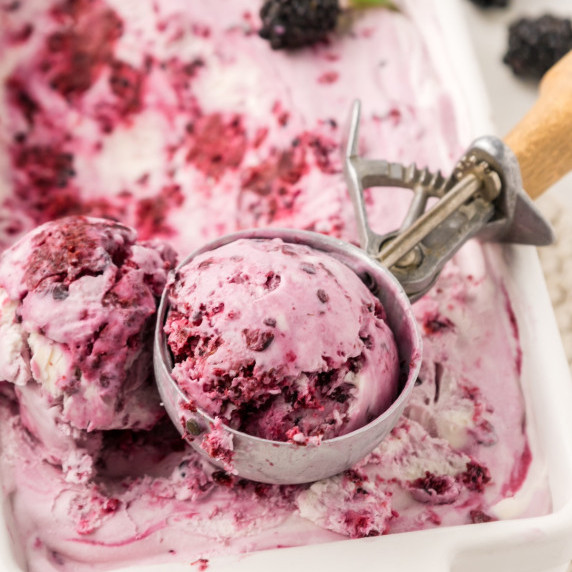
280	462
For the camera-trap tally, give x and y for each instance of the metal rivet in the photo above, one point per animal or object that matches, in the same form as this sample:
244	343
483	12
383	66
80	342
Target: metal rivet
193	427
410	260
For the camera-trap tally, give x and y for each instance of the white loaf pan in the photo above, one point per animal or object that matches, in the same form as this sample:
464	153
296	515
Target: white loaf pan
539	544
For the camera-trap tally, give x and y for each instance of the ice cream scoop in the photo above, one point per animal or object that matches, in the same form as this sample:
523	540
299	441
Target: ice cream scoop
482	198
271	460
280	341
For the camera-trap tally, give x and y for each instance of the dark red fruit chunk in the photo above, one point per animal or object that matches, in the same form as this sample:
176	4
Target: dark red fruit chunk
360	525
475	477
439	484
63	253
20	98
223	478
76	56
284	168
151	213
272	281
478	516
322	296
217	144
126	83
46	167
111	505
434	324
258	340
202	564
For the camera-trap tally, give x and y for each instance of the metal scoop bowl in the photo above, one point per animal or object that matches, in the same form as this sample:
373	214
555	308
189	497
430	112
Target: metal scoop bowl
281	462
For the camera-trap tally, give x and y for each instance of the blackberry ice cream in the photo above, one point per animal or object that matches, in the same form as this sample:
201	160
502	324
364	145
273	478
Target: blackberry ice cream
177	119
78	298
280	341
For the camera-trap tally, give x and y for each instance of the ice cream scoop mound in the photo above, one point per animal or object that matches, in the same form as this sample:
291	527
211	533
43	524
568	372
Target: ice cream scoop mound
77	301
280	341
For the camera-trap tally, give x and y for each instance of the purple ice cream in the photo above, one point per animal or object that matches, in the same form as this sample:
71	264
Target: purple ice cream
78	299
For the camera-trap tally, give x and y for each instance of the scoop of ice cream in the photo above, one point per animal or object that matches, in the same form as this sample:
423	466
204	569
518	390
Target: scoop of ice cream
77	302
280	341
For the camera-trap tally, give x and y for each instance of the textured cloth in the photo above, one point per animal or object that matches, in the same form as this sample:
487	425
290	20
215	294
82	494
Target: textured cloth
556	262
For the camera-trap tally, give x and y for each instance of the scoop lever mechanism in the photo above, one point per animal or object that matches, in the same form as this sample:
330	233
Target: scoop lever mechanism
482	198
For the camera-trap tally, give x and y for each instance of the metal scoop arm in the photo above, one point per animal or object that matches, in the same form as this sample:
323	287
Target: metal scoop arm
482	197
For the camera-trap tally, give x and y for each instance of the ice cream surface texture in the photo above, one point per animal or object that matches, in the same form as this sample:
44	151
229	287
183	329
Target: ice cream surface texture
79	297
176	119
280	341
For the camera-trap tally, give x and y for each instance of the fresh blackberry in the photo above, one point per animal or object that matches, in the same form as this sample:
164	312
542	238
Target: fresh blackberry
535	45
490	3
296	23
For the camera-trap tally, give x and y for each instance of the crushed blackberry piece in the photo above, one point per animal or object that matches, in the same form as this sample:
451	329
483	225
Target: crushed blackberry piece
536	44
223	478
478	516
435	489
436	323
297	23
431	482
490	3
257	340
475	477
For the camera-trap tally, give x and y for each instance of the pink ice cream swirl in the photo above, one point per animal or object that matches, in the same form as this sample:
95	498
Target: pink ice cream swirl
78	300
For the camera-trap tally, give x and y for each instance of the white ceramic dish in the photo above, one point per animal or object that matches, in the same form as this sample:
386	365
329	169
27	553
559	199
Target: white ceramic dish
529	544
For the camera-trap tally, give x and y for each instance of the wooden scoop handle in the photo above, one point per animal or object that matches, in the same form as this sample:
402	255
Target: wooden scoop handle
542	140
